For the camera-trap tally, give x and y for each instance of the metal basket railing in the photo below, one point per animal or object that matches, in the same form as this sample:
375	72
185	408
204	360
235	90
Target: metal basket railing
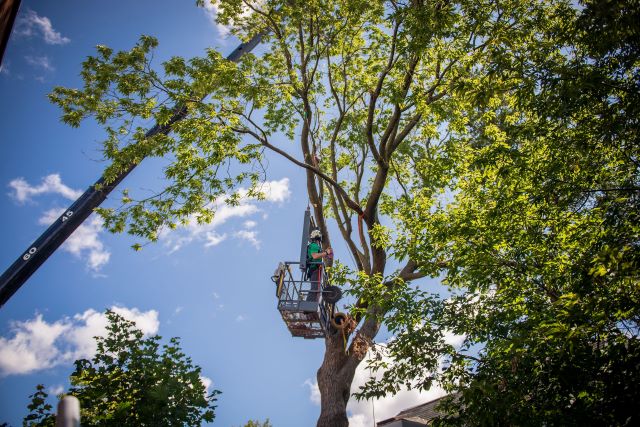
305	314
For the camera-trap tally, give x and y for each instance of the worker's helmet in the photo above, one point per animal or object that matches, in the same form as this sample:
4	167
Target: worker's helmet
315	234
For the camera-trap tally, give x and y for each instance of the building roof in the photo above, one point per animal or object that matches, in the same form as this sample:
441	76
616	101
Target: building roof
421	414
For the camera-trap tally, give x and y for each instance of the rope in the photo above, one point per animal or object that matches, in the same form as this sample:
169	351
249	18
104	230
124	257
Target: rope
373	402
352	258
373	411
360	218
344	338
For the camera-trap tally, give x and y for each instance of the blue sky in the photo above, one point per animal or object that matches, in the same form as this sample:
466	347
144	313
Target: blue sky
208	285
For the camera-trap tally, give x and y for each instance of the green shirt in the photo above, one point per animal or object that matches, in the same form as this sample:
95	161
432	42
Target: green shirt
313	248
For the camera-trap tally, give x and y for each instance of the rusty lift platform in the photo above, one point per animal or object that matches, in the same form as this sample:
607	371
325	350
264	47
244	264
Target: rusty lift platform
307	306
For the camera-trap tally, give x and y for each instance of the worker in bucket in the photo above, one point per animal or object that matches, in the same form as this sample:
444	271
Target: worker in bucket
315	255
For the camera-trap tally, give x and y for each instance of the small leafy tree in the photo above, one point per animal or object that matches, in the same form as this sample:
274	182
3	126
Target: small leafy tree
255	423
133	380
40	413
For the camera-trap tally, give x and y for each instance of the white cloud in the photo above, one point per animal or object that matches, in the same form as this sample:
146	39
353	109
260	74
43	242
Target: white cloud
453	339
92	323
360	420
146	321
55	390
85	241
36	344
31	347
240	318
360	413
225	212
32	24
213	239
88	325
40	62
211	10
249	236
206	382
178	310
314	391
23	192
209	234
276	191
182	236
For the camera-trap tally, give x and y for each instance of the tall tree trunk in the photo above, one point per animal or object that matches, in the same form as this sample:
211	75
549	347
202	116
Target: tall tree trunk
334	381
340	362
337	370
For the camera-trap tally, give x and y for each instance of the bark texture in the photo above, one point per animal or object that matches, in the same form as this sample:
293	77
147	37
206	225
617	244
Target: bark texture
334	381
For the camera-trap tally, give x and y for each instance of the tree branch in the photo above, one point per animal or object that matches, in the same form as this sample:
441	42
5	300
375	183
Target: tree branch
376	93
345	230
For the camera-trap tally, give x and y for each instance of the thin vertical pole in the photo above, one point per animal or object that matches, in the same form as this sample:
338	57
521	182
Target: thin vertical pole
68	414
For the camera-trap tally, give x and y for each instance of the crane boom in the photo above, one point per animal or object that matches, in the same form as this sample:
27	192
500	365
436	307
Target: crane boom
40	250
8	12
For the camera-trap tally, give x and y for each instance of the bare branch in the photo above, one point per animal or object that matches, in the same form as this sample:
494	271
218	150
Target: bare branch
395	118
373	95
345	229
409	126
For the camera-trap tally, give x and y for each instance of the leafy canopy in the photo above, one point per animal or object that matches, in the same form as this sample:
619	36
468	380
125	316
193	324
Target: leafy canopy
539	239
133	380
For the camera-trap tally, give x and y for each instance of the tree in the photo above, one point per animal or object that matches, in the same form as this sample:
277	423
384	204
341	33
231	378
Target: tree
252	423
132	380
375	95
540	238
40	413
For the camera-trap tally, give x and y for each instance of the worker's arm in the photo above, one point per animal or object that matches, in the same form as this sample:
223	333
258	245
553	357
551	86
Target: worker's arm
318	255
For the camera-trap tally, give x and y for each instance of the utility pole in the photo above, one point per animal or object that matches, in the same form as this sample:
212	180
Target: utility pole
40	250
